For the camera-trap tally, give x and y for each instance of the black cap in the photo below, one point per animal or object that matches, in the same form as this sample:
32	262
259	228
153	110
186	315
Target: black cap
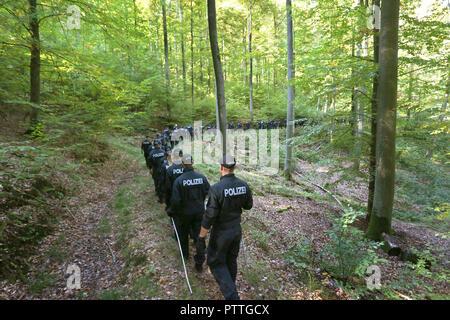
228	161
177	154
157	142
187	159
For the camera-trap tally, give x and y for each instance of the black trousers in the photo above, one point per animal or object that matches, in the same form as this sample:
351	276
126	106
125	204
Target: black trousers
223	251
159	187
157	183
189	224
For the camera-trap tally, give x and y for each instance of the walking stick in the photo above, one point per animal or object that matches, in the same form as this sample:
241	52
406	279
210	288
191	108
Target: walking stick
182	257
244	252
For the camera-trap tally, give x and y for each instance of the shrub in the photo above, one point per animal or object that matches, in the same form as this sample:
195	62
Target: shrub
348	253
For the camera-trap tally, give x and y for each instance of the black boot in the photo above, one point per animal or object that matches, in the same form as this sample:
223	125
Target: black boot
198	267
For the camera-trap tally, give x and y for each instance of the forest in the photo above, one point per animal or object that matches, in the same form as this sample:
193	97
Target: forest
348	97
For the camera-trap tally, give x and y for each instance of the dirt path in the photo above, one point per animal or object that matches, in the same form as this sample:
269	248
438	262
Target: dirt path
78	240
161	269
120	237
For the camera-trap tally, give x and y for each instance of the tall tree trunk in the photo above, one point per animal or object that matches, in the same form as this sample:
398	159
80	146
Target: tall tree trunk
373	118
176	46
35	63
410	91
244	78
357	107
441	118
134	11
183	60
220	83
291	93
224	66
333	116
209	76
166	56
192	53
381	217
201	60
274	64
176	59
268	79
250	79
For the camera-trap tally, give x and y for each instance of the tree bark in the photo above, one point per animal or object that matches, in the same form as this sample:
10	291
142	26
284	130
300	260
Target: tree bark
212	25
291	92
192	53
441	118
166	56
381	217
35	62
373	120
250	79
183	60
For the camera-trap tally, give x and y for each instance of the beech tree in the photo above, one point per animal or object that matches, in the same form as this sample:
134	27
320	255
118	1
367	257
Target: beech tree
290	96
381	216
35	62
220	85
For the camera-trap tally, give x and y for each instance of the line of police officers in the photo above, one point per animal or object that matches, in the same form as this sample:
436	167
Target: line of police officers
184	191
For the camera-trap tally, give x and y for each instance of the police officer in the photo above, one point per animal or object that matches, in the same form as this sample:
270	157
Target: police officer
155	160
187	203
165	147
261	124
146	147
172	173
226	200
161	180
247	125
191	131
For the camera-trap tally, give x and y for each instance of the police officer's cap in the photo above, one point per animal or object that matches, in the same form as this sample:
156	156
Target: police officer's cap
178	152
227	161
187	159
157	142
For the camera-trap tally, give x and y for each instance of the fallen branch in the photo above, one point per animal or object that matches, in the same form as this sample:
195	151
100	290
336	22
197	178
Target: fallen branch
321	188
389	245
112	253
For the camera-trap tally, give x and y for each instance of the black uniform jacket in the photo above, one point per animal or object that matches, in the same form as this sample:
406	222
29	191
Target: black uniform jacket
172	173
189	193
226	200
146	146
155	158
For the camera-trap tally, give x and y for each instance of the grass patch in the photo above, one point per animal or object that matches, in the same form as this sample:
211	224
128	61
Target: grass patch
146	285
261	238
261	276
104	226
41	282
111	294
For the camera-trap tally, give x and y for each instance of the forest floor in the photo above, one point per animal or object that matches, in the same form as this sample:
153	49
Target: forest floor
121	239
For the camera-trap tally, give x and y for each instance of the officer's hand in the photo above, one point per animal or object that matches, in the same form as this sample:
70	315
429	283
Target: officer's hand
201	246
170	212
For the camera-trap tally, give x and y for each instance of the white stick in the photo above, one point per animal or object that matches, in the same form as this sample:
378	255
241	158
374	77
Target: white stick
182	257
